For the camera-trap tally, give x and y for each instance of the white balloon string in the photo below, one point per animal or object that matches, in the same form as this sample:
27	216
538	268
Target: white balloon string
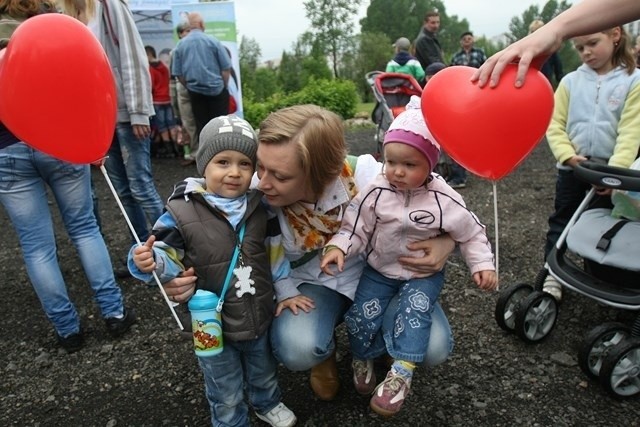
135	235
495	221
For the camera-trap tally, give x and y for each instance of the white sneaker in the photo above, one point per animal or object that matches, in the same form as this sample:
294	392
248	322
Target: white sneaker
553	287
280	416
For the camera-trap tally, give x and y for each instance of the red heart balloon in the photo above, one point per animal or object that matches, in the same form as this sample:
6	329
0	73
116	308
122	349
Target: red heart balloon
58	93
489	131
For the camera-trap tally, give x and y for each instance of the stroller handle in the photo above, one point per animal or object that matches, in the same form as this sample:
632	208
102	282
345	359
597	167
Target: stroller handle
603	175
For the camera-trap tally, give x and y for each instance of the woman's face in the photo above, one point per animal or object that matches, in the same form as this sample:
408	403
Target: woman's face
282	179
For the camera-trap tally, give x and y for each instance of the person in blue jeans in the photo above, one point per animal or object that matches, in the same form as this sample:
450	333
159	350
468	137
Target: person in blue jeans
129	157
25	173
405	203
308	180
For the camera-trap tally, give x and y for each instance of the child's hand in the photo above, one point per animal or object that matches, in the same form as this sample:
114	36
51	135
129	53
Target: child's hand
333	256
143	256
486	280
574	160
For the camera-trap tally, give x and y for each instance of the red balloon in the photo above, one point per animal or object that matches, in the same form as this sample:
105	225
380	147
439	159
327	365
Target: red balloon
489	131
58	93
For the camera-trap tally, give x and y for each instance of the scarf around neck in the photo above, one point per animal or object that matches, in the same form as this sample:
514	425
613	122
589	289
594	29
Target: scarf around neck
312	229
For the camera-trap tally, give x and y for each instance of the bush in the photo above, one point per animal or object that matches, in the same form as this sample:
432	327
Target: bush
339	96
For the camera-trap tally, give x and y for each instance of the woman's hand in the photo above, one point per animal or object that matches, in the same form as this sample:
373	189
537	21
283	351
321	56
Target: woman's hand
431	255
534	49
181	288
301	302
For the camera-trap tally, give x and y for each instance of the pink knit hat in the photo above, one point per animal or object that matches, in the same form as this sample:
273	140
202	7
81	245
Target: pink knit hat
409	128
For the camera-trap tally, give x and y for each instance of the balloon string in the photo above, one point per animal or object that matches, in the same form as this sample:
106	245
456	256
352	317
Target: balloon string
135	235
495	220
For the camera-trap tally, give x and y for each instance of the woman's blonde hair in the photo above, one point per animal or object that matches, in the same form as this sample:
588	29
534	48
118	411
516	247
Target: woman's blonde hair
318	135
535	25
75	7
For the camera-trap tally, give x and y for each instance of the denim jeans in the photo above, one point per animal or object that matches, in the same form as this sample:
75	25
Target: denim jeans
129	169
409	337
304	340
458	173
24	175
242	366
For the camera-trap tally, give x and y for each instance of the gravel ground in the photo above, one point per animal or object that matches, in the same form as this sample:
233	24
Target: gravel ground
150	376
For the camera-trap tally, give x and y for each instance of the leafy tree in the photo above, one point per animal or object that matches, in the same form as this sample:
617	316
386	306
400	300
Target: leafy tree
404	18
519	27
306	62
331	25
371	52
249	53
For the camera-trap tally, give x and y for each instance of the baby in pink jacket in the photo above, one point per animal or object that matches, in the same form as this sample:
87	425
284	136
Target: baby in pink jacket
406	203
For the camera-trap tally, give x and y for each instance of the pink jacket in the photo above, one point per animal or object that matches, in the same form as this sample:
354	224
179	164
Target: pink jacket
382	221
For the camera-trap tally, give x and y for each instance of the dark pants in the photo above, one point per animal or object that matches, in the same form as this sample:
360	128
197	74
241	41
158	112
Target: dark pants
207	107
458	174
570	191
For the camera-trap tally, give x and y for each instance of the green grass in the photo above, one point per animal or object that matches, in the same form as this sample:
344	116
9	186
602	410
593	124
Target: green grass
365	107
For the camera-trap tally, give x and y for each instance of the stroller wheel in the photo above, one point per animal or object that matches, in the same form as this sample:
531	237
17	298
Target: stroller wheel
535	316
597	344
507	304
620	372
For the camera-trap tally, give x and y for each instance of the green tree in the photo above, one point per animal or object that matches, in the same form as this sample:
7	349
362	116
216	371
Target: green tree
331	26
519	28
307	61
371	52
404	18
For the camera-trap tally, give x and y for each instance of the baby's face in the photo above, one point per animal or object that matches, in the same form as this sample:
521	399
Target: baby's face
228	174
404	166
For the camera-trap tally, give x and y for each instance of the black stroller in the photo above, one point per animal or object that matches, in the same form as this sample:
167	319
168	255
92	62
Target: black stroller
609	352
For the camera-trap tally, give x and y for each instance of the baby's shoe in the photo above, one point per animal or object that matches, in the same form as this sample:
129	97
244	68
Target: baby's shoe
364	377
280	416
389	396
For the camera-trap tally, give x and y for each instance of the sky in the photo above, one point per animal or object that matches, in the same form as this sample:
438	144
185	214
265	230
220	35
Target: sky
276	24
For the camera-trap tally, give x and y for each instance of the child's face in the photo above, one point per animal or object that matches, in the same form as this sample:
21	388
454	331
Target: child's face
404	166
596	50
228	174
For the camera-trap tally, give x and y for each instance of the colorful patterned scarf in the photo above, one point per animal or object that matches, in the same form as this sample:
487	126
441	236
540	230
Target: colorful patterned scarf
312	230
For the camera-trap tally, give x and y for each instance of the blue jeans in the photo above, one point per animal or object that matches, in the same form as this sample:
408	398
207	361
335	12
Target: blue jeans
129	168
24	175
409	337
304	340
458	173
242	366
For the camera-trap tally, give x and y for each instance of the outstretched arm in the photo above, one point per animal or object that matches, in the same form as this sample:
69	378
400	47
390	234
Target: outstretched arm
586	17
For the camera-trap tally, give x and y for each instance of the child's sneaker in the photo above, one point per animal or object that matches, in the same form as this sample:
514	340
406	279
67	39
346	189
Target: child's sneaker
553	287
390	394
280	416
364	377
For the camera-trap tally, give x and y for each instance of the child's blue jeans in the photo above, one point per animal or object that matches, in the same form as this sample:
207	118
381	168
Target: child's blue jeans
242	365
409	337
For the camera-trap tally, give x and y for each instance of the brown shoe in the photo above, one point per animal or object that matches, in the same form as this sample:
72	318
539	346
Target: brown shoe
324	379
187	162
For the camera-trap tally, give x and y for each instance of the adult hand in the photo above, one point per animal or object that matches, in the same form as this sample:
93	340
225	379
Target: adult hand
181	288
434	255
141	131
534	50
301	302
